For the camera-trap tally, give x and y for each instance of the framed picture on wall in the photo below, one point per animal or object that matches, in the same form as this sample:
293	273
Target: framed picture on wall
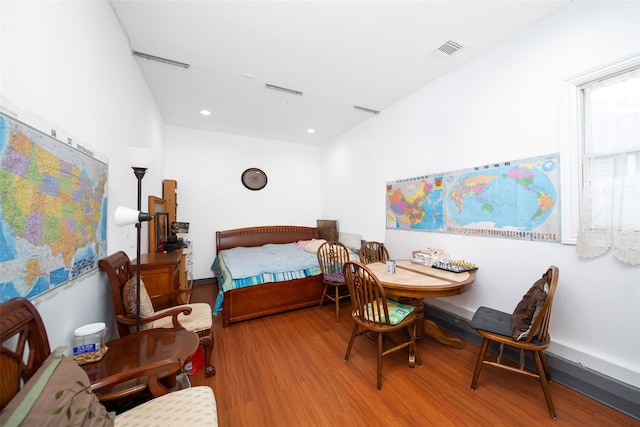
162	228
156	206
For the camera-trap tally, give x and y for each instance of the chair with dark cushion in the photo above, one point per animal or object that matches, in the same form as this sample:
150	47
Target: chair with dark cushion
195	317
526	329
331	257
373	252
374	313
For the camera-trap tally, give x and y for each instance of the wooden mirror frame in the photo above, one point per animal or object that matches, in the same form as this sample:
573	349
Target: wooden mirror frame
156	205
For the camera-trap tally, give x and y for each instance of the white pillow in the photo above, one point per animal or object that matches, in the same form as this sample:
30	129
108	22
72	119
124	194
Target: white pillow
314	245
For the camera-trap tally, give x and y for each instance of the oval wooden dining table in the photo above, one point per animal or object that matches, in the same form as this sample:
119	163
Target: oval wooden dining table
417	282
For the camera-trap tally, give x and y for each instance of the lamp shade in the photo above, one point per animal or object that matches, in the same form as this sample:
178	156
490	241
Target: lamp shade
128	216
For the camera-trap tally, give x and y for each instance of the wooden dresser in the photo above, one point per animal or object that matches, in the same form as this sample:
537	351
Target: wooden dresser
161	274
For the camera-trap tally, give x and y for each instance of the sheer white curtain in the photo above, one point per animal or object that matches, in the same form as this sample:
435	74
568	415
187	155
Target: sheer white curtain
610	202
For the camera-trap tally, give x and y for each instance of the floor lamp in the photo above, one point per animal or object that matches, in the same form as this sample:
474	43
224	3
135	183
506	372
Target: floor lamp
127	216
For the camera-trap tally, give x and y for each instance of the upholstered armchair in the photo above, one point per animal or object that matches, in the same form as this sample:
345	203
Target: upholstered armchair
40	387
195	317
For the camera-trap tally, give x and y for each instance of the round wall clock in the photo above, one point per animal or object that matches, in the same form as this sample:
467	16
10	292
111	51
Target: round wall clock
254	179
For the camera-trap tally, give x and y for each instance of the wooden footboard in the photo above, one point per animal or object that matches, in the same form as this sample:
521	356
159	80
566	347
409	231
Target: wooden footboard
269	298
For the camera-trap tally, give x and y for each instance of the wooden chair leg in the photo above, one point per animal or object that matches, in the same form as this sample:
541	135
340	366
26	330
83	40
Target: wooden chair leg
545	365
353	337
479	363
412	335
324	292
379	361
337	303
544	383
207	345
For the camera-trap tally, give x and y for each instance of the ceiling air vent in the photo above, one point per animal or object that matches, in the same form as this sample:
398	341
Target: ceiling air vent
283	89
159	59
366	110
448	48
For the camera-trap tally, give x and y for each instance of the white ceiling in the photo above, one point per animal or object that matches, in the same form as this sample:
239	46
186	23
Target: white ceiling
337	53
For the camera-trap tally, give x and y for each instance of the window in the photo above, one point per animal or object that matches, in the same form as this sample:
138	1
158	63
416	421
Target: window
606	149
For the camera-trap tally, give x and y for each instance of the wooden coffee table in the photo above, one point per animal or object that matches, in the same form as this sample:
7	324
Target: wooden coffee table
146	348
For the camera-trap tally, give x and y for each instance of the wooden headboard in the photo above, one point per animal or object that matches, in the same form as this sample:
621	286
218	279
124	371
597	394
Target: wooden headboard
258	236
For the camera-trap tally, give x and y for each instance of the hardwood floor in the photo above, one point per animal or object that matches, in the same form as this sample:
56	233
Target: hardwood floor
289	370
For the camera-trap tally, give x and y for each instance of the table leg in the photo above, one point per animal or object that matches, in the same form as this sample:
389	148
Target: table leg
429	327
434	331
424	327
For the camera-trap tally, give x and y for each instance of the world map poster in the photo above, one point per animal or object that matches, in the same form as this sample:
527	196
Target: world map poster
516	199
53	202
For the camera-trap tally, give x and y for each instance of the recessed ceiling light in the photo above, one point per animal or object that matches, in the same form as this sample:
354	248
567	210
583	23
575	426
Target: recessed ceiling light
311	130
205	112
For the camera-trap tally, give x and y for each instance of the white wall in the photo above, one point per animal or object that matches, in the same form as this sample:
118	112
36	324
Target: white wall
211	197
67	65
502	106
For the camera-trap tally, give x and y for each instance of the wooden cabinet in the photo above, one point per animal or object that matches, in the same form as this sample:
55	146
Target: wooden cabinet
170	195
161	274
165	272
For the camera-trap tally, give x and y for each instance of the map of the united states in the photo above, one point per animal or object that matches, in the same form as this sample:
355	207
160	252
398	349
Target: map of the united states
52	201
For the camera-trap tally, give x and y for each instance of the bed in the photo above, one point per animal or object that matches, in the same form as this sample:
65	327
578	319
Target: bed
240	300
